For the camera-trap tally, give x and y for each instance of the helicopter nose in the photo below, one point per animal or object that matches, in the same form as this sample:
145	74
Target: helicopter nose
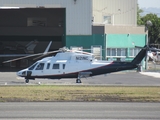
21	73
24	73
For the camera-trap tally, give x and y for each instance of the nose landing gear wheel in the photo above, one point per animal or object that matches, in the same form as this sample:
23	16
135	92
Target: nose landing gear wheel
27	80
78	81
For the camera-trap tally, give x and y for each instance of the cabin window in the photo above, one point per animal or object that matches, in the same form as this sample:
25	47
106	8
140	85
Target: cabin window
116	52
40	66
48	65
32	67
55	66
64	65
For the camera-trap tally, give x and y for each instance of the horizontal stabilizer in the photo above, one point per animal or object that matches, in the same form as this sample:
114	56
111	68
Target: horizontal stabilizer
84	74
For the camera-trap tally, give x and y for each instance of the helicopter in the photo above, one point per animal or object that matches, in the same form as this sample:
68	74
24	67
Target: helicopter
75	64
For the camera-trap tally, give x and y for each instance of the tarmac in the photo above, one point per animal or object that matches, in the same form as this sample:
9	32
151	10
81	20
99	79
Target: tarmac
150	77
130	78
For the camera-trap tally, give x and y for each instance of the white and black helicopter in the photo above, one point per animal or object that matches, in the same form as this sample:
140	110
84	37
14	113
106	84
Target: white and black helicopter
75	64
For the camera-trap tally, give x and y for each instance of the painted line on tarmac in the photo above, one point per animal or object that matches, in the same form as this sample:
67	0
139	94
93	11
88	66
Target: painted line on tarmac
152	74
20	78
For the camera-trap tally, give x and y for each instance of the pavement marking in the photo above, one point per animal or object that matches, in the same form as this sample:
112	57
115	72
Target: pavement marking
20	78
152	74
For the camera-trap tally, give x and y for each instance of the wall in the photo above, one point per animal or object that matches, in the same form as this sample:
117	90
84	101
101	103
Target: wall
125	40
78	14
87	41
122	12
110	29
32	22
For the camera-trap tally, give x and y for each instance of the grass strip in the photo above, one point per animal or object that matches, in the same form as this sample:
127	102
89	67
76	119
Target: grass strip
53	93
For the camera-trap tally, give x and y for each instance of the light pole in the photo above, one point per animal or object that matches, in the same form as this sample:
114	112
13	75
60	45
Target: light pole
148	24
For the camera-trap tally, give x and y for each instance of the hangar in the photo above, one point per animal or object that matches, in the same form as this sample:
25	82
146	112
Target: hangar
107	27
22	25
25	24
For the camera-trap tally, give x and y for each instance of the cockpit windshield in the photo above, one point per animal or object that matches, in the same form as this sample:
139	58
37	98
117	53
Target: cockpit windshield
32	66
40	66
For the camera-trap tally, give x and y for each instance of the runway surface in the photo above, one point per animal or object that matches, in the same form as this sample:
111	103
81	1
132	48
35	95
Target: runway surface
83	110
114	79
79	110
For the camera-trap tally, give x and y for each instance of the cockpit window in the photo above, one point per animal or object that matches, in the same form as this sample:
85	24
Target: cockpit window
32	66
40	66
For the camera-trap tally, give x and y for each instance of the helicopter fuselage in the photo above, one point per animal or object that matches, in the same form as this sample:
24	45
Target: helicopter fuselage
72	65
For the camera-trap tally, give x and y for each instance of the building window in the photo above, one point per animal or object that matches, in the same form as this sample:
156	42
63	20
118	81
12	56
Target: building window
55	66
36	22
116	52
133	51
107	19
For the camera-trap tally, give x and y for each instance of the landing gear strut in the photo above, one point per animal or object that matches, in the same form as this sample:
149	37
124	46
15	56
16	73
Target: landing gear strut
78	79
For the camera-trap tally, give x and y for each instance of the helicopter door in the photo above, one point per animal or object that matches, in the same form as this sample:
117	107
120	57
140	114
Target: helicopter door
62	68
48	66
59	68
56	68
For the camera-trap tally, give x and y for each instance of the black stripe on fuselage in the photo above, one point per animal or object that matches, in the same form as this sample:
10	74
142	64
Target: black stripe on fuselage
113	67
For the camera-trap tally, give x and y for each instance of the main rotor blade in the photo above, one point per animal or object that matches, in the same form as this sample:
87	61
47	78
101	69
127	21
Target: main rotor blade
22	58
43	54
30	56
47	53
154	49
83	52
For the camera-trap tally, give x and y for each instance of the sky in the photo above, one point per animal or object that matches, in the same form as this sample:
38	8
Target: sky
149	3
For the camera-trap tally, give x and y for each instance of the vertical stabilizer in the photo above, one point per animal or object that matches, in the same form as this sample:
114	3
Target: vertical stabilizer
140	56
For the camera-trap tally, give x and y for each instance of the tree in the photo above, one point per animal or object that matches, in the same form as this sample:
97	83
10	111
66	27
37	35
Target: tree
154	30
139	21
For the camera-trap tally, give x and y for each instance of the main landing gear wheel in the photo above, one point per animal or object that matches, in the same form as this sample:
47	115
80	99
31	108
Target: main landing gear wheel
78	81
27	80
